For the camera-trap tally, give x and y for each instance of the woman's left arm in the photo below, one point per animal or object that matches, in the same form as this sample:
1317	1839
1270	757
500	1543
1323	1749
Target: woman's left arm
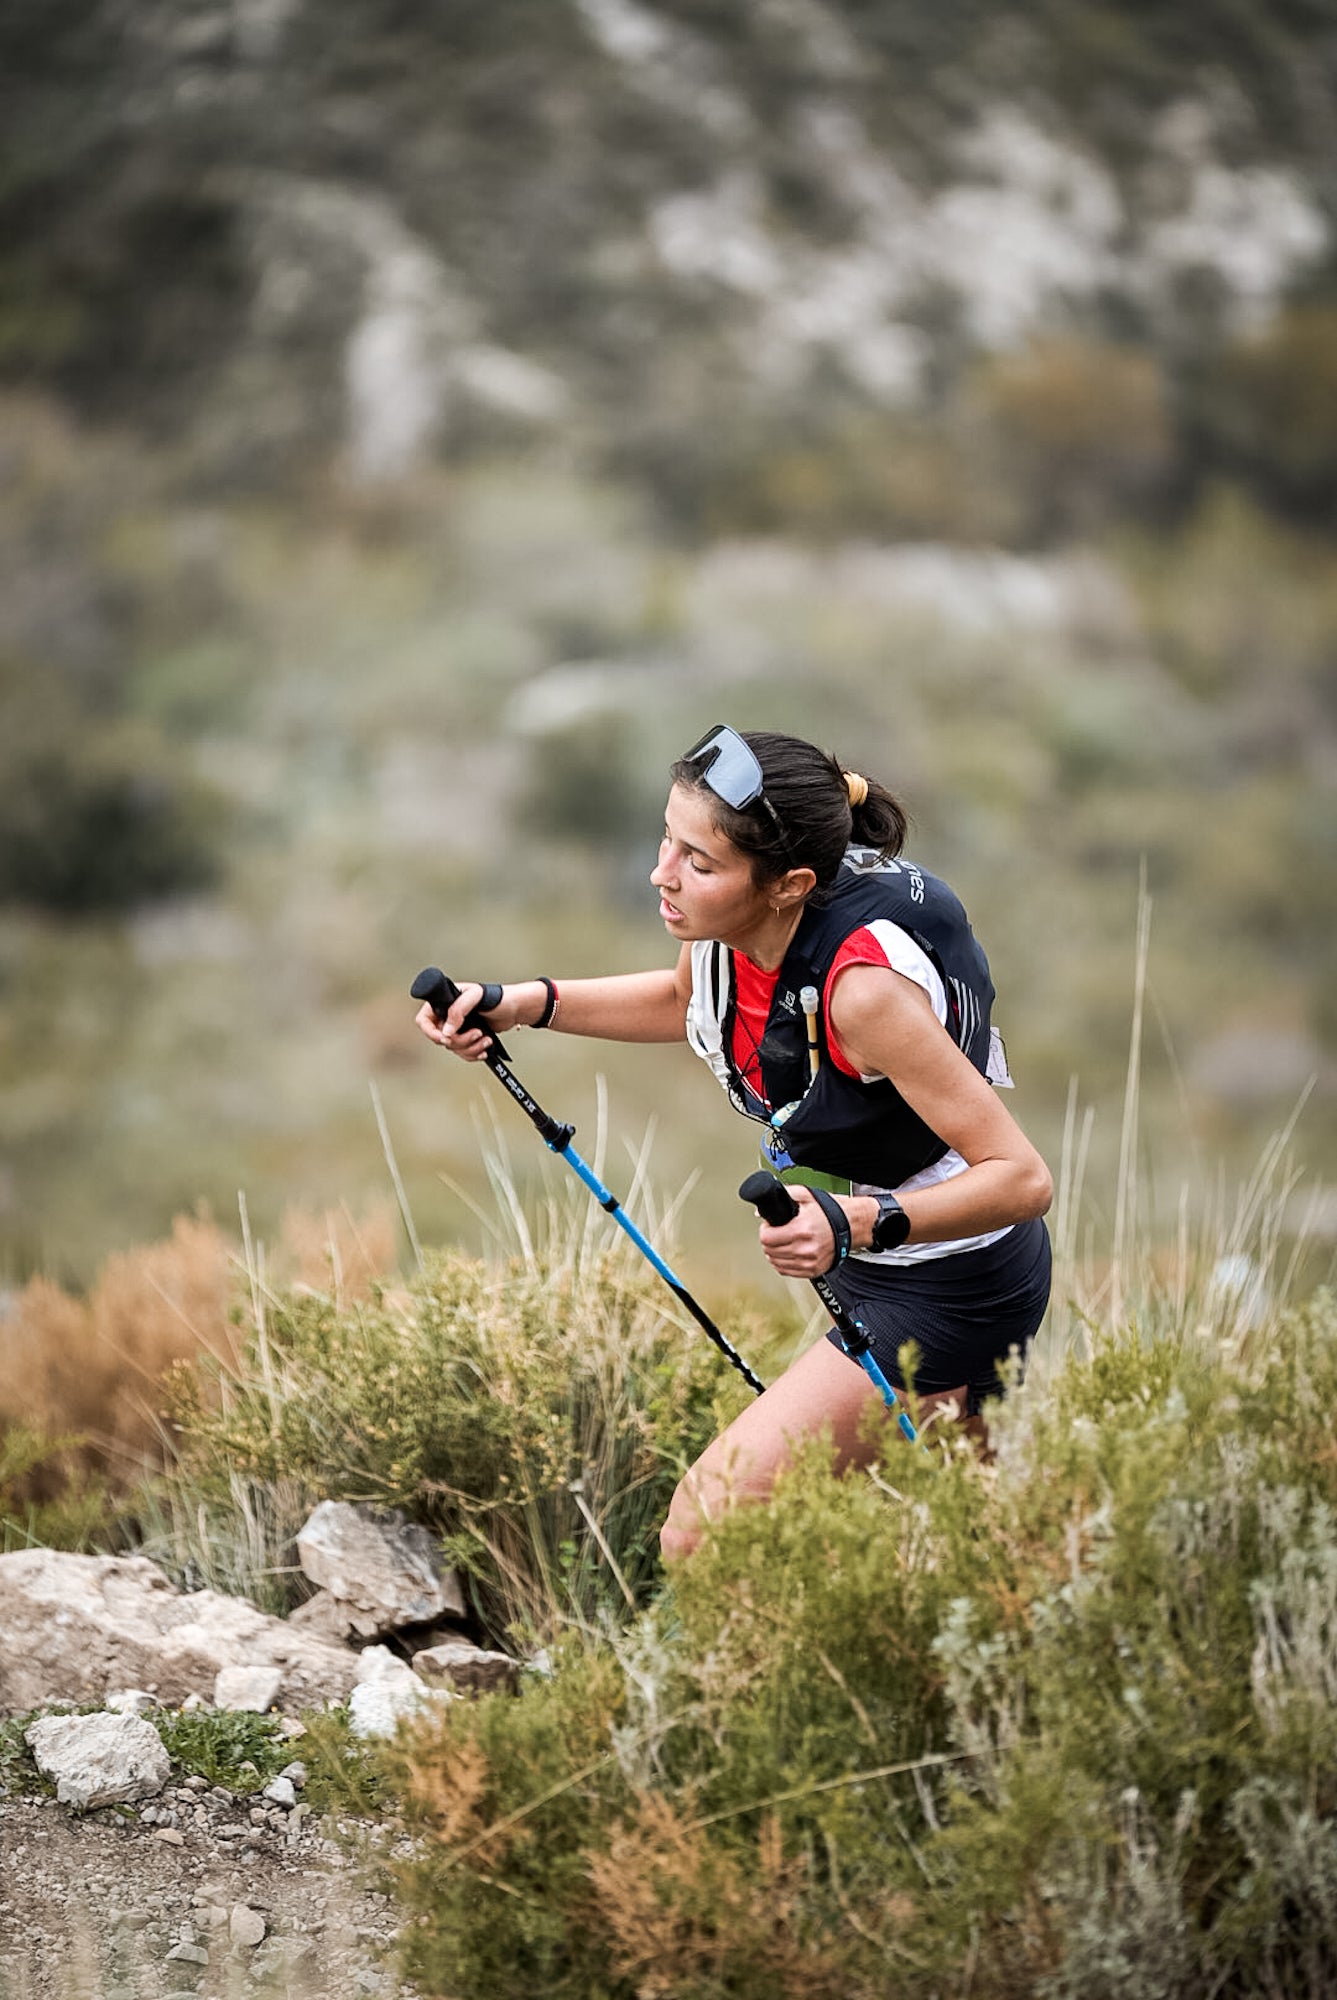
885	1023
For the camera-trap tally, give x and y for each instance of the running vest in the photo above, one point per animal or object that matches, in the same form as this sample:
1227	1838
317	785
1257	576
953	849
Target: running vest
838	1124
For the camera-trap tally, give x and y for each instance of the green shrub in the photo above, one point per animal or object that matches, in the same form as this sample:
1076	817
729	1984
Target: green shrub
94	816
48	1496
1080	430
1062	1723
1266	410
507	1406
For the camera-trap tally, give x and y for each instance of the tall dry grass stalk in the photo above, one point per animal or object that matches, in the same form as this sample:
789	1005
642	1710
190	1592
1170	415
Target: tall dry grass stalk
1228	1269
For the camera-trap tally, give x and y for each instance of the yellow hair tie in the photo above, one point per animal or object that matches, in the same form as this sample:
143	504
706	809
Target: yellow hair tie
857	788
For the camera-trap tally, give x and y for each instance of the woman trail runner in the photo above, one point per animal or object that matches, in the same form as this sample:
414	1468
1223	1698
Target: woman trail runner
920	1198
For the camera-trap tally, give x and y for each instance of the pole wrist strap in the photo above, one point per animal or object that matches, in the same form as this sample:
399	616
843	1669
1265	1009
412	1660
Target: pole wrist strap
840	1225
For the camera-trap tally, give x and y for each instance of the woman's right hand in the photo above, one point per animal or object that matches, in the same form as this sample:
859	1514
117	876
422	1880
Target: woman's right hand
469	1043
516	1007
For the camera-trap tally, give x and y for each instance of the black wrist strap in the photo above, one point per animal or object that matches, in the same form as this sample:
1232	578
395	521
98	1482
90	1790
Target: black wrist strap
490	998
840	1224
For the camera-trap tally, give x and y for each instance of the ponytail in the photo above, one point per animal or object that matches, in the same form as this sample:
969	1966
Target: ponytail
878	820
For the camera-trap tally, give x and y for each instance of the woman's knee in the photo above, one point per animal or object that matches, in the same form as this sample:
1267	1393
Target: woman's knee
682	1530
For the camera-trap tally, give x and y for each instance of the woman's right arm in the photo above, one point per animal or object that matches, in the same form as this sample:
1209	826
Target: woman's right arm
626	1007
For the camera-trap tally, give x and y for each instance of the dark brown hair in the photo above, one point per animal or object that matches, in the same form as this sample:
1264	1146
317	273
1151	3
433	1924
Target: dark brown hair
807	788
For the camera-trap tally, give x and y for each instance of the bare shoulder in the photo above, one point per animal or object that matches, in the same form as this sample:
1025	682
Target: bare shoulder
876	997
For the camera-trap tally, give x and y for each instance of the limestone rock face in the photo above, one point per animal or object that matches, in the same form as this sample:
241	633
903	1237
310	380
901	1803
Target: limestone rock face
382	1570
73	1628
99	1760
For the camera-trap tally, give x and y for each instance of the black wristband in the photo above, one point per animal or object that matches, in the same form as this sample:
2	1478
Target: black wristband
839	1221
550	1006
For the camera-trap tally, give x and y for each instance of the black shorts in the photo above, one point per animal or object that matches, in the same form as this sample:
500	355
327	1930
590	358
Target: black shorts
965	1313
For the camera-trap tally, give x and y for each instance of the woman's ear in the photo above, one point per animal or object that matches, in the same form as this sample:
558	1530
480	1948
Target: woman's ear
795	886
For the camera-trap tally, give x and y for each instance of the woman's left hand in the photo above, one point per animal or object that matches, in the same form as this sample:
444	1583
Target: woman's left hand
803	1247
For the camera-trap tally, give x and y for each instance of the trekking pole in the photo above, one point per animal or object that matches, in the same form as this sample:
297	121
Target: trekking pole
776	1205
440	994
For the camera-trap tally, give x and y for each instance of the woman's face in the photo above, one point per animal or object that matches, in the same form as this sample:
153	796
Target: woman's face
705	885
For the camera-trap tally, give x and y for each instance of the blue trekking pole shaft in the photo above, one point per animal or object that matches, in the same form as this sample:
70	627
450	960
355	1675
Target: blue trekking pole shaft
440	992
776	1205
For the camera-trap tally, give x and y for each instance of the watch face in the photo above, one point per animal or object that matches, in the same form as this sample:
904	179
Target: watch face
892	1225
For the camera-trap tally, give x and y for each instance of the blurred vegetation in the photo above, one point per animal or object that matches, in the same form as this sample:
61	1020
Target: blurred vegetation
274	732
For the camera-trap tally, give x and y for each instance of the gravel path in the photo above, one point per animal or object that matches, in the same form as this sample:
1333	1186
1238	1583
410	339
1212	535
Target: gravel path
202	1893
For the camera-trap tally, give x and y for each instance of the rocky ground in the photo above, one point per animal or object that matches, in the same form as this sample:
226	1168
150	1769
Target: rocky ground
199	1892
141	1878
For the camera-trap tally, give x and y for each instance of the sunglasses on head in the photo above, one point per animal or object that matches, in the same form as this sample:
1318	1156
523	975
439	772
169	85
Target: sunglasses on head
731	770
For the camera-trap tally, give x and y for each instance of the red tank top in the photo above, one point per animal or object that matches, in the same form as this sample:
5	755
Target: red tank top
754	990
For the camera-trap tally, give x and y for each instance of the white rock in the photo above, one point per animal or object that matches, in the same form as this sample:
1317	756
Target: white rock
99	1760
131	1701
378	1663
282	1792
74	1626
247	1688
326	1617
467	1667
383	1570
246	1926
386	1693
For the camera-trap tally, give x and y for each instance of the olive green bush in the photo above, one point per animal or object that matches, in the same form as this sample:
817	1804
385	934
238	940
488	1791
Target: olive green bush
1058	1723
49	1497
535	1411
96	816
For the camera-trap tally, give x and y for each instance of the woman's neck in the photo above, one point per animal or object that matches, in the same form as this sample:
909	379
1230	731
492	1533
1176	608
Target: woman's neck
766	942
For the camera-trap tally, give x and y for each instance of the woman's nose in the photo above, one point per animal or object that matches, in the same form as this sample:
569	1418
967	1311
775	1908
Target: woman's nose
662	872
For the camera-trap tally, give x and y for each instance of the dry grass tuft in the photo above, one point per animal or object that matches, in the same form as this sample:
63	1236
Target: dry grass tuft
336	1252
94	1365
684	1914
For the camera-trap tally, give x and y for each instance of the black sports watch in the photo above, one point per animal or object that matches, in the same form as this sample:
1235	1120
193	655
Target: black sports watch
892	1225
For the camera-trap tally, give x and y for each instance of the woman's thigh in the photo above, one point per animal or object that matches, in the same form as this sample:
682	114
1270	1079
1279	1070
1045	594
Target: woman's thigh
824	1390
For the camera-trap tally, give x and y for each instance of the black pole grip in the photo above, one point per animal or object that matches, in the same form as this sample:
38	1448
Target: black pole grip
432	985
770	1197
441	992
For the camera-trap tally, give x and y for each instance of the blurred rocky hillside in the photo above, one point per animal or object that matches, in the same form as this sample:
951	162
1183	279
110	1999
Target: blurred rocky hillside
417	421
278	233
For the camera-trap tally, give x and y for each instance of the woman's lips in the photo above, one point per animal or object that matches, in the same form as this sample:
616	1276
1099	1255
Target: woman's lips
667	911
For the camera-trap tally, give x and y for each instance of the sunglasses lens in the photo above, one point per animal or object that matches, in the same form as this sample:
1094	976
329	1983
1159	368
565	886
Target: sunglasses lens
728	766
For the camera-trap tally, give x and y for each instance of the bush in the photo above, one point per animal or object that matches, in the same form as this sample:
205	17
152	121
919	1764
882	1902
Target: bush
1059	1724
1266	411
48	1497
1080	431
94	817
536	1413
